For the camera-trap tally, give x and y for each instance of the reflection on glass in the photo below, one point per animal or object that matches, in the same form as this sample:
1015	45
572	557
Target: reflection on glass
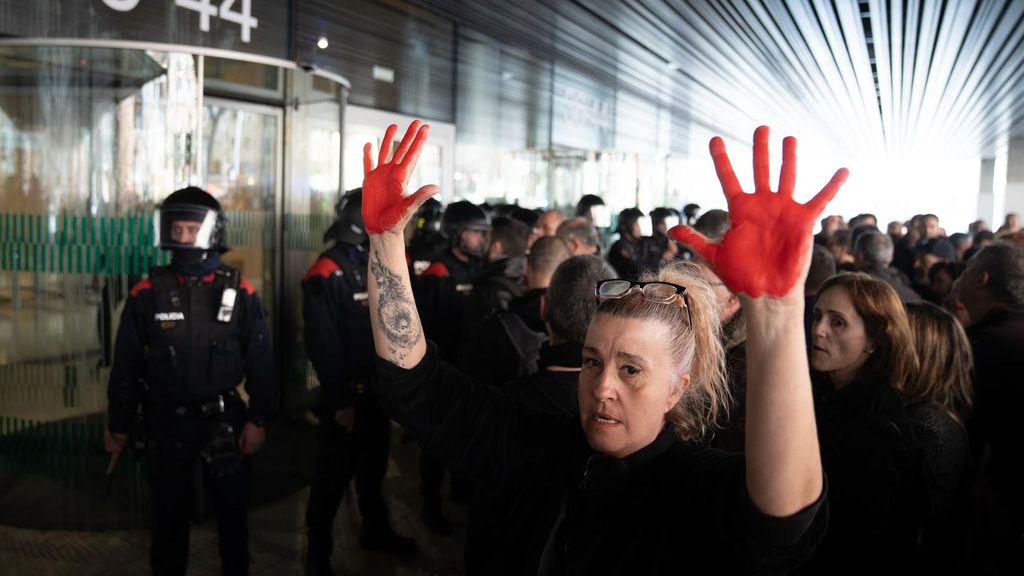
90	138
240	170
429	167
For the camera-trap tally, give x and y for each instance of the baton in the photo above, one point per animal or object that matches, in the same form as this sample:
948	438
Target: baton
114	458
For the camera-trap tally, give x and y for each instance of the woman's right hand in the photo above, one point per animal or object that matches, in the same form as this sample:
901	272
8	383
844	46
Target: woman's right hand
386	207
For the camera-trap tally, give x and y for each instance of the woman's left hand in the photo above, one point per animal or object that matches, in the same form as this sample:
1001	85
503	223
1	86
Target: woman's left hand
767	249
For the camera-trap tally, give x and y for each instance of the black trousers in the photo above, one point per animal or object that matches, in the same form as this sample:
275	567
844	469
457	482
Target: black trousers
363	454
179	440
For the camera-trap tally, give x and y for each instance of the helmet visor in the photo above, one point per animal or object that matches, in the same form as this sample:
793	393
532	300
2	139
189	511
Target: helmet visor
601	216
646	227
184	226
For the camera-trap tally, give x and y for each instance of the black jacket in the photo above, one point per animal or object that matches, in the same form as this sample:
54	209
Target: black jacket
544	392
442	293
875	472
507	344
997	341
670	507
337	332
897	280
527	307
945	521
625	256
495	285
170	344
548	391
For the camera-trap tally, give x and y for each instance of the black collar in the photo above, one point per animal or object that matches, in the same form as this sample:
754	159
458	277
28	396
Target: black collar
604	474
567	354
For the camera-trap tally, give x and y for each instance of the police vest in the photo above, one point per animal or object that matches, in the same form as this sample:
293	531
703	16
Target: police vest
190	352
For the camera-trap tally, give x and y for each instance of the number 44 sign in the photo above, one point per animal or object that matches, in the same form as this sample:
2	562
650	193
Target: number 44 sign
206	9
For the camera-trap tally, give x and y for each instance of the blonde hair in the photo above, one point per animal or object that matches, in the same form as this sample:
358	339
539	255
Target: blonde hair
696	350
945	360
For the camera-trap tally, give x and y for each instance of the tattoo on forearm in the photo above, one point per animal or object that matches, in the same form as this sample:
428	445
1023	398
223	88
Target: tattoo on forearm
396	312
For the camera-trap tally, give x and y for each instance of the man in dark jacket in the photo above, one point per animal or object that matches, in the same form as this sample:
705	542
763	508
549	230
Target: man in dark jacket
190	333
497	283
506	346
873	252
355	435
567	309
991	290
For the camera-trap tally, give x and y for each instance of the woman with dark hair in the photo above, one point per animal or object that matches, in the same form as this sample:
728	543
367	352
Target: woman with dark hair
622	488
862	356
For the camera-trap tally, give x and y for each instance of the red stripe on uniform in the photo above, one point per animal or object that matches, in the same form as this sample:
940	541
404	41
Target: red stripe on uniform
249	289
436	269
323	268
144	284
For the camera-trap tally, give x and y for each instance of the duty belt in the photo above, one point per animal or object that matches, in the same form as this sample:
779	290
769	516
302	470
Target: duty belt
207	408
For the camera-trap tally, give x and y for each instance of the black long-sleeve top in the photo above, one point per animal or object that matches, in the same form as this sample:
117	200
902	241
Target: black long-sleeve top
671	507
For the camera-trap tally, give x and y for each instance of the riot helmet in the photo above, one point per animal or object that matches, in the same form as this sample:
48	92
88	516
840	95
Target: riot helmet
428	218
348	219
691	211
631	216
593	207
190	220
662	219
460	217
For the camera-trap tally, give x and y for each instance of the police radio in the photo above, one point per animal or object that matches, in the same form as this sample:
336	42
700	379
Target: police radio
227	305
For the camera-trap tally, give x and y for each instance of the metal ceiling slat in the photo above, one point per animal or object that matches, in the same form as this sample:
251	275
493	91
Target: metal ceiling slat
1006	94
851	26
891	76
1006	51
878	10
816	90
966	59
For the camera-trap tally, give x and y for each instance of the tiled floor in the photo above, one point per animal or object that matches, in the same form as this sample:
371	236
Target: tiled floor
277	539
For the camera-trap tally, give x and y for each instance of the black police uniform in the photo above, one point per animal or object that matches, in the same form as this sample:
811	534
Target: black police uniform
183	365
442	292
339	340
625	256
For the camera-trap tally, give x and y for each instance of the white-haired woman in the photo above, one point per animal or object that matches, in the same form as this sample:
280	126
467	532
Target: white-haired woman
621	489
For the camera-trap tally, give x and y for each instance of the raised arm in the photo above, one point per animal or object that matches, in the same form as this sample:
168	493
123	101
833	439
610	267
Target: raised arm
764	257
397	332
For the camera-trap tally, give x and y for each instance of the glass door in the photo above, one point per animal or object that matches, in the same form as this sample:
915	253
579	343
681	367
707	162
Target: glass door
241	168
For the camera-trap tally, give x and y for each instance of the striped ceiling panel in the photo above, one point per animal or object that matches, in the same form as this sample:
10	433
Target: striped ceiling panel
887	76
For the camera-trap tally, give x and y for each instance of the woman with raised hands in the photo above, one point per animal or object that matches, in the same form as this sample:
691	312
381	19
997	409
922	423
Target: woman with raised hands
625	489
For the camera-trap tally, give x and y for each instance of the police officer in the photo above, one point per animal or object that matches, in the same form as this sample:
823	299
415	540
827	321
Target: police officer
445	285
442	292
189	334
426	242
355	435
626	254
658	248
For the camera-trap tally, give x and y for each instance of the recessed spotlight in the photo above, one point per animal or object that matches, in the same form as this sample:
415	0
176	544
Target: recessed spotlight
322	43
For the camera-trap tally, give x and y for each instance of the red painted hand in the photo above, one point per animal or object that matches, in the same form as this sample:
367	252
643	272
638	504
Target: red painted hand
386	207
767	250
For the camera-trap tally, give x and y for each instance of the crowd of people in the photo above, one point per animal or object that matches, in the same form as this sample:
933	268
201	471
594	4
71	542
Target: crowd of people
720	390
